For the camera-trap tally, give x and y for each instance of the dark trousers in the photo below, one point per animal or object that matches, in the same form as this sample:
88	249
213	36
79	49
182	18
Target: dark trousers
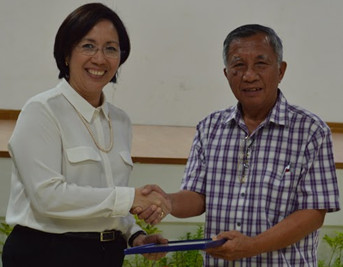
26	247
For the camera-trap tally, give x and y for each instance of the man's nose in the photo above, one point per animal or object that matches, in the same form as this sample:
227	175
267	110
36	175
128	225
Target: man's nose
250	75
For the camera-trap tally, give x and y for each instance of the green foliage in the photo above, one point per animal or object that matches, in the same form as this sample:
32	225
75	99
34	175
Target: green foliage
149	229
5	230
336	256
190	258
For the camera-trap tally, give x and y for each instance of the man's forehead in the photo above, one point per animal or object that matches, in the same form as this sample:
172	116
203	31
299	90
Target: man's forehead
257	45
239	58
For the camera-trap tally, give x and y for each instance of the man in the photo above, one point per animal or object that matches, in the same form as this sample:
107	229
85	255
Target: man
262	170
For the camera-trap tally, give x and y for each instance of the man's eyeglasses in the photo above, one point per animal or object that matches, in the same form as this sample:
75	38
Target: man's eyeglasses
109	51
246	148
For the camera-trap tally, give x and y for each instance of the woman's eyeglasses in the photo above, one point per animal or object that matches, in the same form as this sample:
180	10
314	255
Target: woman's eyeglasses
109	51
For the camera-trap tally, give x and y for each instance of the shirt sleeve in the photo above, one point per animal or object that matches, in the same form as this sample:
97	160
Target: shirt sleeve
36	150
318	187
195	172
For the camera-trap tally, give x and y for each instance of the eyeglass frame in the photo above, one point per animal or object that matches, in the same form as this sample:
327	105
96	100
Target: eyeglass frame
92	51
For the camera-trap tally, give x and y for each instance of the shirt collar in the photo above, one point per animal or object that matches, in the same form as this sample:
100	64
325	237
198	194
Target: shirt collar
80	104
234	114
278	114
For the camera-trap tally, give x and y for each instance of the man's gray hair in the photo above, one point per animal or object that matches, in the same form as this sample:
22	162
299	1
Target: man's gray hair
250	30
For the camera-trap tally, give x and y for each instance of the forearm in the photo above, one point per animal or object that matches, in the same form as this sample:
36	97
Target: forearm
290	230
187	204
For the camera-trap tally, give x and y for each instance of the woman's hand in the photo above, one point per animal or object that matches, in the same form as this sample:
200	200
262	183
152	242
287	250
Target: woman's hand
160	204
148	239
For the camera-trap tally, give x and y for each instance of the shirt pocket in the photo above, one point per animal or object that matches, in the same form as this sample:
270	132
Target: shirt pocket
279	188
126	157
82	153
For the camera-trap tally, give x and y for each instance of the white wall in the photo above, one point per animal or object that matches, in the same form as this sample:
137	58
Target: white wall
174	74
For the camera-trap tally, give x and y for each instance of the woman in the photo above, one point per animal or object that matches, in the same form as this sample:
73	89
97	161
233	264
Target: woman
69	198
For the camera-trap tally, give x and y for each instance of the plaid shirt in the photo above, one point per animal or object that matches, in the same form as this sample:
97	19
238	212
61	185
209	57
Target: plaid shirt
252	182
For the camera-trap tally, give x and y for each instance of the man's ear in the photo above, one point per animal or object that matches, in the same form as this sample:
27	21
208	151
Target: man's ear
282	70
225	72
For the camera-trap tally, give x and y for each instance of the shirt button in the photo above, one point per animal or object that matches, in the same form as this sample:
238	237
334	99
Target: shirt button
238	224
242	194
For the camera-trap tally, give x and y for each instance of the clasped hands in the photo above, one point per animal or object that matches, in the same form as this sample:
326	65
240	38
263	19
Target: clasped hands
151	204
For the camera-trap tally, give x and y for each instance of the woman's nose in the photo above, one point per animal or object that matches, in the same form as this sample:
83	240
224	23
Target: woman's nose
99	56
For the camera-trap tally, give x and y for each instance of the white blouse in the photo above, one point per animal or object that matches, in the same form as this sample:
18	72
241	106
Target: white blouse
61	182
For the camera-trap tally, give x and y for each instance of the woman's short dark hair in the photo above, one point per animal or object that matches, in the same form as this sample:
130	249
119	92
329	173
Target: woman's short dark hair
250	30
77	25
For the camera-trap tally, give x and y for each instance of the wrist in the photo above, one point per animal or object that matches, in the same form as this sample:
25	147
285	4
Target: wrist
172	202
257	245
134	236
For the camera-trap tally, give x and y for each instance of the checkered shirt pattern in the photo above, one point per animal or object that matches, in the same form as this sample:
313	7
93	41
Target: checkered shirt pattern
252	182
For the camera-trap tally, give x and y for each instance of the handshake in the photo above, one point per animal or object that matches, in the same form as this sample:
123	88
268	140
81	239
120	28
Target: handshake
151	204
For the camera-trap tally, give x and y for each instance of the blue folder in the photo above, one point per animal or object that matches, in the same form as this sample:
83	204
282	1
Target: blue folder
195	244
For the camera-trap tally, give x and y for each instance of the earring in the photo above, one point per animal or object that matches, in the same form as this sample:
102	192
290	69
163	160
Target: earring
66	62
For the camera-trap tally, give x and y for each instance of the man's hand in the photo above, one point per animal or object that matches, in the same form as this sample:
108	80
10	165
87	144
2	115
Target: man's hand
288	231
151	204
148	239
236	247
